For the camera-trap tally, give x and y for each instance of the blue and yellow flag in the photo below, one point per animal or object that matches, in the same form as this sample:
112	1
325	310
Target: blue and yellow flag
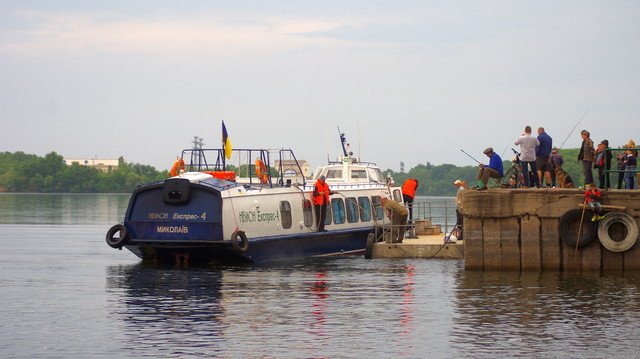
226	142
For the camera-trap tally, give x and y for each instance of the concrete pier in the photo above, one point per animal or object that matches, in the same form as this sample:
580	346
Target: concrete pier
424	246
518	229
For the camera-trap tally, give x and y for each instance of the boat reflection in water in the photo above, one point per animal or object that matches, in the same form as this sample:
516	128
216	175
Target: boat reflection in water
305	310
160	305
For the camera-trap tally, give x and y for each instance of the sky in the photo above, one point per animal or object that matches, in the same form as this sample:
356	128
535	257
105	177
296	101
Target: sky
411	81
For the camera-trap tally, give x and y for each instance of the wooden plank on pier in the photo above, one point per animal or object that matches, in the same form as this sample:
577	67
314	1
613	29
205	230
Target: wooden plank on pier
530	246
473	252
632	256
550	244
491	244
509	235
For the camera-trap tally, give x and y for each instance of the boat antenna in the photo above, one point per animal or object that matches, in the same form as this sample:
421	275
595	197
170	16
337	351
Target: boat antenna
343	141
359	152
573	129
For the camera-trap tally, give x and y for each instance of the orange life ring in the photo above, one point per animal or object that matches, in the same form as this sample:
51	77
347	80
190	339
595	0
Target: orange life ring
261	171
177	166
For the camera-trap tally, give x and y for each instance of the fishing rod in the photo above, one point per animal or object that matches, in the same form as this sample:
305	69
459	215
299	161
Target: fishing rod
573	129
470	156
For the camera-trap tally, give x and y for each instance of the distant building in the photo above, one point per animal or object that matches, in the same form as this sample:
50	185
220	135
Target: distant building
101	164
290	169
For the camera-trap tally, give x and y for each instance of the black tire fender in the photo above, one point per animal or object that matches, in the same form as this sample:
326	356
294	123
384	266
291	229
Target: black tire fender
239	241
620	243
117	242
371	240
570	224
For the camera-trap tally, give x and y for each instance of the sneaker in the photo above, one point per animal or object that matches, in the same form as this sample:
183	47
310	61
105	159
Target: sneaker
593	219
483	188
599	218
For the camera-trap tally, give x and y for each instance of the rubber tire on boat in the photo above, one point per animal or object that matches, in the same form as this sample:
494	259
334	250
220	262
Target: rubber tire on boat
568	229
617	245
117	242
239	245
371	240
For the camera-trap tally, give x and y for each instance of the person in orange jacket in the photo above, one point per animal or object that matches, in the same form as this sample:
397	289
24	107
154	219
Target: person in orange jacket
321	193
409	188
592	199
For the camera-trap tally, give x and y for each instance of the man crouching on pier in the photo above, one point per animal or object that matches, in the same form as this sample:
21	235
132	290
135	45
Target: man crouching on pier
493	170
398	216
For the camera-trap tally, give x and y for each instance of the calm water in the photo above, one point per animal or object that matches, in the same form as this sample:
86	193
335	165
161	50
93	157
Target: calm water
65	293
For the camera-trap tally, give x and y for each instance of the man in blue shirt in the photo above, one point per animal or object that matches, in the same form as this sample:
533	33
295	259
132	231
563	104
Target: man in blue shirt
493	170
543	151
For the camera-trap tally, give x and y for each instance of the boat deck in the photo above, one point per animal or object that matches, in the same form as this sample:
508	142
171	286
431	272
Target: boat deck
424	246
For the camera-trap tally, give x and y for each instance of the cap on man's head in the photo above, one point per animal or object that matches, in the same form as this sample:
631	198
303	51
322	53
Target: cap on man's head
456	182
322	177
605	142
585	132
488	150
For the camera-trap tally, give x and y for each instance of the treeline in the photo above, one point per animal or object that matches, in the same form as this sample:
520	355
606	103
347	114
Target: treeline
437	180
21	172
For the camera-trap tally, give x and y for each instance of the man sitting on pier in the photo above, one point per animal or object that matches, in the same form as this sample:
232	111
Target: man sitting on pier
493	170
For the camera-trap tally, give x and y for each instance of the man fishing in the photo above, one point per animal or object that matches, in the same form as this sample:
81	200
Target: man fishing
492	170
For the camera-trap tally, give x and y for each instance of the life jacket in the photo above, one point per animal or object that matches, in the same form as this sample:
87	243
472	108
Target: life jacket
409	187
320	199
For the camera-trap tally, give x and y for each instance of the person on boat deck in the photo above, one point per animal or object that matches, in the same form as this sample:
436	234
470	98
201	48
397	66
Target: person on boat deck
398	216
492	170
321	193
592	199
409	188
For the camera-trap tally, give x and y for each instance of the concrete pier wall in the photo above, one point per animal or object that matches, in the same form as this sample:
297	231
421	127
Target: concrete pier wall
518	229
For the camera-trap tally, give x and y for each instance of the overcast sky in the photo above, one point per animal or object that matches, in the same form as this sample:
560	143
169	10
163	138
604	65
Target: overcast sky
412	81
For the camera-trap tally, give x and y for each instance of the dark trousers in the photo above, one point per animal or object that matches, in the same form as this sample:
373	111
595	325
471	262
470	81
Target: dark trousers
552	172
620	179
534	174
603	179
321	215
408	201
586	171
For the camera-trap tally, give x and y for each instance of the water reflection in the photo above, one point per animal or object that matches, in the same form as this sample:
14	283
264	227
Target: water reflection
56	208
548	312
302	310
167	310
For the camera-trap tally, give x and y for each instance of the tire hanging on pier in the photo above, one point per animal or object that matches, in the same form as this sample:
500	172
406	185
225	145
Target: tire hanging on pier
239	241
618	231
371	240
117	242
569	226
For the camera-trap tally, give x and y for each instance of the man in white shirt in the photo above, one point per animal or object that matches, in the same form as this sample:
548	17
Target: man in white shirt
528	145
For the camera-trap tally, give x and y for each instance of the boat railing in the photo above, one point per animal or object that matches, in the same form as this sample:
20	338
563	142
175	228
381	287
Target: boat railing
252	164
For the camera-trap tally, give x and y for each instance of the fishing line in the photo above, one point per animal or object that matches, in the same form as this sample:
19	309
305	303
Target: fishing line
573	129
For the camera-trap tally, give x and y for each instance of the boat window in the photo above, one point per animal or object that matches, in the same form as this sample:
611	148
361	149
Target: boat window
397	196
338	210
359	174
285	214
307	213
378	211
365	209
334	174
327	219
352	210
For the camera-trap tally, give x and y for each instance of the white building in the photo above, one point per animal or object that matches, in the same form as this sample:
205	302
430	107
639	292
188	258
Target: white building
101	164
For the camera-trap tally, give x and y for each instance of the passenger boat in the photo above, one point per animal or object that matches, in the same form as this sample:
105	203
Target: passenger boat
246	210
